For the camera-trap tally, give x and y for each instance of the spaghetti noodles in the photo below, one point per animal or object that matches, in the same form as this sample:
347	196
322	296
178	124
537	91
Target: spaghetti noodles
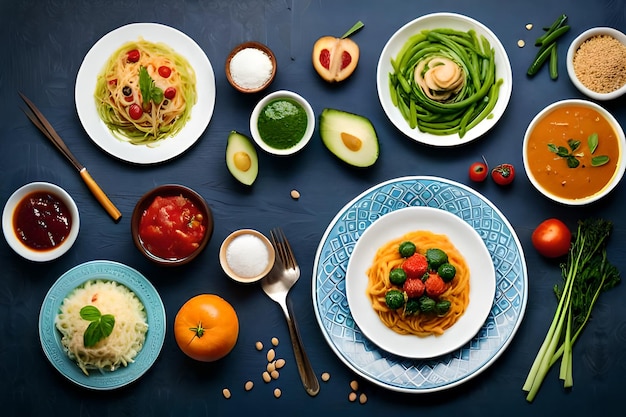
420	324
145	92
128	335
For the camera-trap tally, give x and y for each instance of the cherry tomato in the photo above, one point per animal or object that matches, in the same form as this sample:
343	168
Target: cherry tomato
552	238
478	171
503	174
170	93
133	55
165	71
135	111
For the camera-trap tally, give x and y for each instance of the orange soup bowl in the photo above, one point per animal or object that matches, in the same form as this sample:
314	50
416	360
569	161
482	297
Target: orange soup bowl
574	152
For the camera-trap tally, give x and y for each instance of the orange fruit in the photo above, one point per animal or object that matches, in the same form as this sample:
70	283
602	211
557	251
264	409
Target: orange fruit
206	327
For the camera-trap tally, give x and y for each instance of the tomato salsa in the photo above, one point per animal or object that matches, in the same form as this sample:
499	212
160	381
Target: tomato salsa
172	227
42	221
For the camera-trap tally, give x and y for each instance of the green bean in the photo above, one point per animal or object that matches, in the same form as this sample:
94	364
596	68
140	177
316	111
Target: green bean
560	21
494	94
541	57
554	36
554	64
392	91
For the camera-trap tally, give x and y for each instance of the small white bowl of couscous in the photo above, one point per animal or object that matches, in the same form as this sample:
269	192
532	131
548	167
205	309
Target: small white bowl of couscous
596	63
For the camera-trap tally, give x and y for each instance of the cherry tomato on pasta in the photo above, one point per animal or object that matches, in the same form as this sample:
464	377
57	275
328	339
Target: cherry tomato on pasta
133	55
165	71
135	111
170	93
552	238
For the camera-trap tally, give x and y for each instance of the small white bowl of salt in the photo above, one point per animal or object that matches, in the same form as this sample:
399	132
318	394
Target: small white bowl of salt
250	67
246	256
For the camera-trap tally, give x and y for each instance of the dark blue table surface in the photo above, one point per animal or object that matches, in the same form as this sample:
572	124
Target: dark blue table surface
45	42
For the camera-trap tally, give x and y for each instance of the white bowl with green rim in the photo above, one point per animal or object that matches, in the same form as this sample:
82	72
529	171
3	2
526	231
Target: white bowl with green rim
296	106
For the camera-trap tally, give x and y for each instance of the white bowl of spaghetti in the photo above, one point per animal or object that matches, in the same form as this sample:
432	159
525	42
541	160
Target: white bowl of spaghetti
448	231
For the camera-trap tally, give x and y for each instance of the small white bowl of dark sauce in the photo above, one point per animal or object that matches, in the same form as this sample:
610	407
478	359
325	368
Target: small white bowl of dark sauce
40	221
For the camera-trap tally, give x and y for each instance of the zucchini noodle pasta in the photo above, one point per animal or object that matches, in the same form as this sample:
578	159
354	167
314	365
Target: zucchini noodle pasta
128	335
457	292
145	92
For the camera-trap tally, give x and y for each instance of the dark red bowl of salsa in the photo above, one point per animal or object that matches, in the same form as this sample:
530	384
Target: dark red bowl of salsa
171	224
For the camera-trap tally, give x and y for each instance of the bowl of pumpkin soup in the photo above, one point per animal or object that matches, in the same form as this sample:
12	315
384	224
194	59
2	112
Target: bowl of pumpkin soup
574	152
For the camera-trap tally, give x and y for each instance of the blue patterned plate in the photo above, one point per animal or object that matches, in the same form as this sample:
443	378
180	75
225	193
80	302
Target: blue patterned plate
51	338
419	375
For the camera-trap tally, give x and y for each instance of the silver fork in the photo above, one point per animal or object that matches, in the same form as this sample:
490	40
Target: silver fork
277	285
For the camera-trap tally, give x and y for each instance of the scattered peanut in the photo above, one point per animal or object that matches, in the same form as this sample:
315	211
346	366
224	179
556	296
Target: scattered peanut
325	376
248	386
529	26
274	374
352	397
271	367
362	398
521	43
266	376
259	346
295	194
354	385
275	341
226	393
280	363
271	354
277	393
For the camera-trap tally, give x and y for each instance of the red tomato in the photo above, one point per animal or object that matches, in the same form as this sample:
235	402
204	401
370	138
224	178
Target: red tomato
503	174
165	71
133	56
478	171
552	238
170	93
135	111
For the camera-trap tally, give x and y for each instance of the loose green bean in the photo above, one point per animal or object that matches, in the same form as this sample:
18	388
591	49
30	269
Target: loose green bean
541	57
560	21
554	36
554	63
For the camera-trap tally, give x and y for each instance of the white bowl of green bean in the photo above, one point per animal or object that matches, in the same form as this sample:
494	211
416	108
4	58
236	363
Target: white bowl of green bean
413	105
595	63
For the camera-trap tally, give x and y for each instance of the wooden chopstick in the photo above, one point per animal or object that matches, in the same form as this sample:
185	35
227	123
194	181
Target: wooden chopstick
46	128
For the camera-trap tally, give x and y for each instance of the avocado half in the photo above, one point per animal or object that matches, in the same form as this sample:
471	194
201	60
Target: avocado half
241	158
350	137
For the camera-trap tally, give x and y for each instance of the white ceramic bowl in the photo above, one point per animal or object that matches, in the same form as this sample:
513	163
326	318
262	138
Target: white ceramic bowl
254	131
435	21
233	271
621	166
9	232
597	31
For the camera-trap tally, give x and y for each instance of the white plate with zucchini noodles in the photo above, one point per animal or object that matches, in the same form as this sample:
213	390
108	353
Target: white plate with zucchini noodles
471	107
121	274
196	121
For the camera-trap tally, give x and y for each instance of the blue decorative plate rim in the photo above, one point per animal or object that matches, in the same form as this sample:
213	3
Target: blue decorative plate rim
50	337
416	375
